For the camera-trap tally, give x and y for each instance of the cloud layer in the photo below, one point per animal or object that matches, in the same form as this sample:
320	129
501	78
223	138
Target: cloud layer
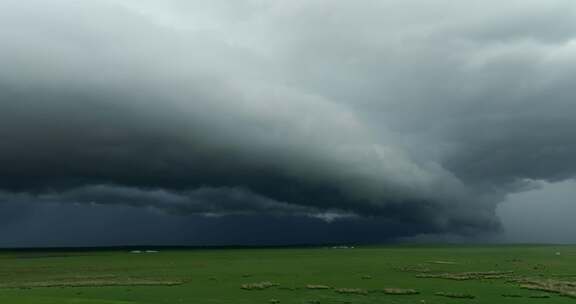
424	113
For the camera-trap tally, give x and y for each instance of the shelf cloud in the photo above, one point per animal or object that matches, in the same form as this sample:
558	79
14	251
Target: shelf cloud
426	113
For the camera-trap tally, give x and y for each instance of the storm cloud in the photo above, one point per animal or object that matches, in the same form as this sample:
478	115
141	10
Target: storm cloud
426	113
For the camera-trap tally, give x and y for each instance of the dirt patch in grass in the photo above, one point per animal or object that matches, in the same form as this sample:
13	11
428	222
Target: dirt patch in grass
357	291
400	291
259	286
313	286
462	276
455	295
93	282
564	288
442	262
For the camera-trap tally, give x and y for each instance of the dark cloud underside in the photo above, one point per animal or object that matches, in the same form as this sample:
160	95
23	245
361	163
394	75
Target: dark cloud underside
418	116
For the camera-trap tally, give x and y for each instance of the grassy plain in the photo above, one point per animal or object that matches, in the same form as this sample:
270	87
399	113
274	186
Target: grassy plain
389	274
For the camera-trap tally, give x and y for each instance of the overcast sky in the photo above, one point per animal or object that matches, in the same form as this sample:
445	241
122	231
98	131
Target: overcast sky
274	122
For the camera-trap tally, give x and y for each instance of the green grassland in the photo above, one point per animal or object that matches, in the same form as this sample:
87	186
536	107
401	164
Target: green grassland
395	274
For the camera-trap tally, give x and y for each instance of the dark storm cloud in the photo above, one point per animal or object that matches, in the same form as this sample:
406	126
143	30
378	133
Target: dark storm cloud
427	114
203	200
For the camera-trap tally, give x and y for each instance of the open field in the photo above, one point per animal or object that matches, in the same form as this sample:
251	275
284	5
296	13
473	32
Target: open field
396	274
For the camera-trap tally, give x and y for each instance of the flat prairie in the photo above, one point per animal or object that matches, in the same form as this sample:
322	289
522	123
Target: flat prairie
313	275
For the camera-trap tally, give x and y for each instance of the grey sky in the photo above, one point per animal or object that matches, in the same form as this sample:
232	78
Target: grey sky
541	216
419	114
